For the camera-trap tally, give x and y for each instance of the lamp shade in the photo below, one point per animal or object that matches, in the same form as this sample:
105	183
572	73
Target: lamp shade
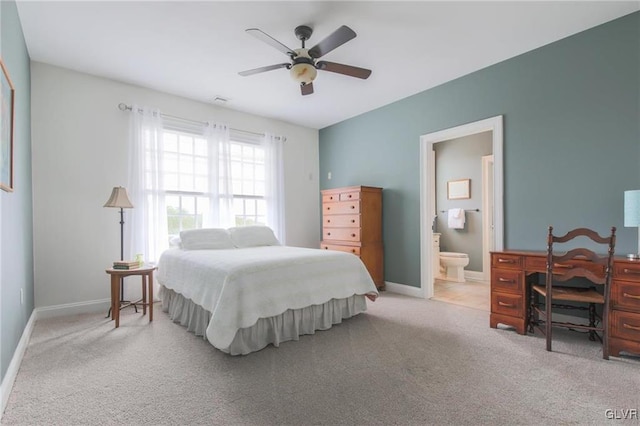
632	208
119	199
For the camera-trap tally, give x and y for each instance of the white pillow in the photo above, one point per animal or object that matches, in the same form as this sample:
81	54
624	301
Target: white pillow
253	236
175	241
206	239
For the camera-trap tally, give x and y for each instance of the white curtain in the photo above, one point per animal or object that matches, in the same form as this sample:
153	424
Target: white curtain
147	233
220	212
274	185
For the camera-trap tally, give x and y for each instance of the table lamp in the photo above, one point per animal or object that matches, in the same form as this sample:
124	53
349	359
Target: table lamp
120	199
632	215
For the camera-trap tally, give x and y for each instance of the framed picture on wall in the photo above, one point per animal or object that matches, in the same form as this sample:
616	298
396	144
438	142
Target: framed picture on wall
459	189
7	95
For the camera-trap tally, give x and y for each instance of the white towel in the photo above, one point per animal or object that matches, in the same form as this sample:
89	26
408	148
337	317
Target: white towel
456	218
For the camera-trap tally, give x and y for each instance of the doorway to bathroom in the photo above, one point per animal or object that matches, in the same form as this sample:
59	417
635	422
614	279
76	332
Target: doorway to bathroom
461	172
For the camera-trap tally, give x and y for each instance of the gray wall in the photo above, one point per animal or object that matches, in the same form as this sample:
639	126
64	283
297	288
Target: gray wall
571	142
16	247
462	159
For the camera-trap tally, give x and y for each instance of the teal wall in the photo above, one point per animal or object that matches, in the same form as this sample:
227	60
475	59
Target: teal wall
571	142
16	236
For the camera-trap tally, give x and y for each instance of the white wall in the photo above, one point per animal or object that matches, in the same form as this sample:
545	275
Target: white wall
79	144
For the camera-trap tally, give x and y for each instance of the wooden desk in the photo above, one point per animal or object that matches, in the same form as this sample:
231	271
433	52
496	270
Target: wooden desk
512	272
146	273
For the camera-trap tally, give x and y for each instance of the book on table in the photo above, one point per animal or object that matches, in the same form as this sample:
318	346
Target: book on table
125	264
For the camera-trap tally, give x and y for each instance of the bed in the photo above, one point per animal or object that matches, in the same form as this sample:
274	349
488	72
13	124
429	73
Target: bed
241	290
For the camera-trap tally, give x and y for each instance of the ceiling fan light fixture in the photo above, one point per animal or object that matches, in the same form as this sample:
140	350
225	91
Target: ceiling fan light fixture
303	73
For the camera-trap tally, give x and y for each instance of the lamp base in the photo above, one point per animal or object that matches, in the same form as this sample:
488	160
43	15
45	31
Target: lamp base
632	256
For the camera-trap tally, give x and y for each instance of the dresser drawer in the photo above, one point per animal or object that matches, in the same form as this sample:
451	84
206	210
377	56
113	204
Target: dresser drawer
506	261
348	249
626	271
328	198
625	295
343	220
507	281
625	325
344	207
507	304
341	234
349	196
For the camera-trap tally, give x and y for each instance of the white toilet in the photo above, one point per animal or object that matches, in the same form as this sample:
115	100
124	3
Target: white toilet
453	265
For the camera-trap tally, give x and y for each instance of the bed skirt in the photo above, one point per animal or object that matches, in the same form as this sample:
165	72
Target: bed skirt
273	330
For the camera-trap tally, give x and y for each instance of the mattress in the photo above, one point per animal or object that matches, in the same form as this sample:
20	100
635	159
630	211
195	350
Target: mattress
240	288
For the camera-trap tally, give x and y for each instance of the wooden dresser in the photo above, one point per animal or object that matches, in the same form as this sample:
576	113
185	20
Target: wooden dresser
352	222
513	271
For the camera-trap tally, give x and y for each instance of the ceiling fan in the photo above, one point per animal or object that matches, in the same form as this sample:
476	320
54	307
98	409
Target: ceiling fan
304	64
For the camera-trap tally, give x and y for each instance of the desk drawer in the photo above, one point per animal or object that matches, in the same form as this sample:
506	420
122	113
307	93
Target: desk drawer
626	271
625	295
507	304
506	261
535	263
625	325
507	281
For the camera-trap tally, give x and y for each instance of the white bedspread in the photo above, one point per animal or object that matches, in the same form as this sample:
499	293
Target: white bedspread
239	286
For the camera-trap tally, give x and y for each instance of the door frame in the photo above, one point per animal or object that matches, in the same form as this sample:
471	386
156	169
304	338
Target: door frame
427	190
487	222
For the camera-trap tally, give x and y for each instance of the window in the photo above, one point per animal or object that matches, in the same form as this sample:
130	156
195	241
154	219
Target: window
185	174
248	183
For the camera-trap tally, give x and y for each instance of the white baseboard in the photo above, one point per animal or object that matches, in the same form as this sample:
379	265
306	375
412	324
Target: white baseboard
16	360
74	308
406	290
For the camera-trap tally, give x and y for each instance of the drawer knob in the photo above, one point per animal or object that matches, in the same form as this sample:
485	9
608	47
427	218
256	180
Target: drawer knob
353	221
508	305
326	248
328	233
328	220
631	327
349	195
504	280
328	208
353	235
353	250
353	207
630	296
500	260
630	271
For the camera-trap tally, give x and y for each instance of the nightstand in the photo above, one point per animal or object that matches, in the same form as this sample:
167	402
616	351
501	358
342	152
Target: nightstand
146	273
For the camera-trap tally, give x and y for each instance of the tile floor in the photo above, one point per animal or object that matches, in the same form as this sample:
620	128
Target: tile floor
473	294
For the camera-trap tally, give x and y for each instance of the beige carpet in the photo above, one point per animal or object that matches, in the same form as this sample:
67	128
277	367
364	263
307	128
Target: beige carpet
406	361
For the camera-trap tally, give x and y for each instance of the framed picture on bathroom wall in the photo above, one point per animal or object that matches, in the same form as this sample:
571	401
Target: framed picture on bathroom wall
459	189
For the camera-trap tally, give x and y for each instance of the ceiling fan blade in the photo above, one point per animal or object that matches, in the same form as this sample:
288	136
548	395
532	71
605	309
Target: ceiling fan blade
335	39
306	89
349	70
261	35
263	69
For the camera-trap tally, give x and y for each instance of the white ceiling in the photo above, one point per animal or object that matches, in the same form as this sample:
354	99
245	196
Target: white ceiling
196	49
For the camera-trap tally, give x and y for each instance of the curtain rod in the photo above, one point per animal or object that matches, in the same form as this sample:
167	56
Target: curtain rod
124	107
468	210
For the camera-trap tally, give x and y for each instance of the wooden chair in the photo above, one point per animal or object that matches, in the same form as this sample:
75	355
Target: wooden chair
575	263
